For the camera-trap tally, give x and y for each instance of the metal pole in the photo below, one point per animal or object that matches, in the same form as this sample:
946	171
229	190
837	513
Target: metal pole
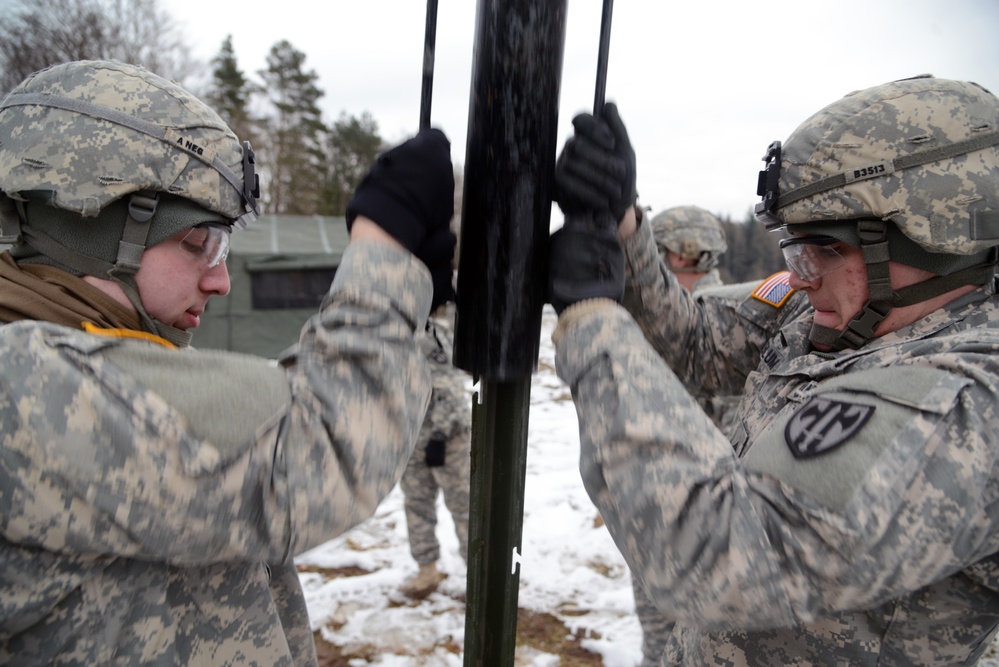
602	53
429	41
506	211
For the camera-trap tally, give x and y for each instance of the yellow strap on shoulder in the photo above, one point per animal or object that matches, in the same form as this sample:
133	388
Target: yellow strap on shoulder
127	333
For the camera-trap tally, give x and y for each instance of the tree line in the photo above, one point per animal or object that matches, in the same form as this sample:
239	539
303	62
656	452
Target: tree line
308	165
753	253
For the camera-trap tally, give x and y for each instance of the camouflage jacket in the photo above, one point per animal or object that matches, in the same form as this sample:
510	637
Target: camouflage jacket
450	409
851	521
721	407
152	500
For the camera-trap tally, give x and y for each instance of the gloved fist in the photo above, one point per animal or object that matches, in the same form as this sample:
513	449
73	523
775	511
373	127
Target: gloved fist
437	252
596	170
409	191
585	261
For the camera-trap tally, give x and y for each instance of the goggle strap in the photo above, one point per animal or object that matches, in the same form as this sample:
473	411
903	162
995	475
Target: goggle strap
890	166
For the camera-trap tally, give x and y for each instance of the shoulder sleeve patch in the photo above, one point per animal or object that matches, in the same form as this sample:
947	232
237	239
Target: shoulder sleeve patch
821	425
857	436
775	290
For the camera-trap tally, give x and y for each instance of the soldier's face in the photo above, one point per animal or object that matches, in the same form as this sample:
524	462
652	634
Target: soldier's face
175	283
839	295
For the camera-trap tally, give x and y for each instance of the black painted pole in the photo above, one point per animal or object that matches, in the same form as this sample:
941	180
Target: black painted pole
602	55
429	42
502	273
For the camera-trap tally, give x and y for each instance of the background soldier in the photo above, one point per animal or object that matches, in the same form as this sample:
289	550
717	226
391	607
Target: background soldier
850	519
441	461
152	497
690	241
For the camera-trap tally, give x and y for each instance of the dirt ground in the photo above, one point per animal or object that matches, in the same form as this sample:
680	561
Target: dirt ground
538	631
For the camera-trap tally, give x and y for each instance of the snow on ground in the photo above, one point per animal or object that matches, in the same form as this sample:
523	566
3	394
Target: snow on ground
569	564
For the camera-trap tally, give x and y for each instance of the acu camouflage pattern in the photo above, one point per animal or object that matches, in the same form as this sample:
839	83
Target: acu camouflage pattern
880	553
722	409
130	538
450	413
110	159
931	203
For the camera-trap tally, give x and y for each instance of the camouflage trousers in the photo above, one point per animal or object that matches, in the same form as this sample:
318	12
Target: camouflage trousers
420	485
656	630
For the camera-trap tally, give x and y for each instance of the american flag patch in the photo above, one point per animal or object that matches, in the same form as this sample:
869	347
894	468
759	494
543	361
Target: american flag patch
774	290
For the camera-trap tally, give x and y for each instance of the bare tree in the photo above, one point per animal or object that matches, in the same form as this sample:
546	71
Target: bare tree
34	35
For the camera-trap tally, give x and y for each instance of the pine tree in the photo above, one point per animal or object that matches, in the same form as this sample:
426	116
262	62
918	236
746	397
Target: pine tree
296	130
230	93
352	147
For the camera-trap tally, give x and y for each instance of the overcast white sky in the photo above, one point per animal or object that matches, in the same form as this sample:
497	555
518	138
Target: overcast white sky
703	87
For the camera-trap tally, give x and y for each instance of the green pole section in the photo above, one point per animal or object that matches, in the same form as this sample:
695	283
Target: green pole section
499	458
501	286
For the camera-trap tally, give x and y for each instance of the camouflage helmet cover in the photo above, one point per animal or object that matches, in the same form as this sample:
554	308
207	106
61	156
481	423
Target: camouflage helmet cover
81	135
689	231
920	153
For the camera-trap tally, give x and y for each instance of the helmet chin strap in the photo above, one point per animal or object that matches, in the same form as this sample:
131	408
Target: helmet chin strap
882	298
141	208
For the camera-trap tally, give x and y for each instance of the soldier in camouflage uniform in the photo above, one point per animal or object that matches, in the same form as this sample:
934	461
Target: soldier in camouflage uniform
441	461
850	520
152	496
690	241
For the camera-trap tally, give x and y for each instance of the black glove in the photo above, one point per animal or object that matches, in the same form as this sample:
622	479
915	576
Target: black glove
596	170
585	261
409	191
436	447
437	252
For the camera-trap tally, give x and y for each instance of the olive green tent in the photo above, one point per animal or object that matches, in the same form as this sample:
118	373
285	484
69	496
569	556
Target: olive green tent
280	269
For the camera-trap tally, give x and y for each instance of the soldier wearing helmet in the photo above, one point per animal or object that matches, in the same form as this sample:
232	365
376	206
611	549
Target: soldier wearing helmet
690	241
848	519
156	493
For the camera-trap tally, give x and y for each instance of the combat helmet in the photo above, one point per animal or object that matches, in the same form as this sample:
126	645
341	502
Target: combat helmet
907	171
692	233
100	160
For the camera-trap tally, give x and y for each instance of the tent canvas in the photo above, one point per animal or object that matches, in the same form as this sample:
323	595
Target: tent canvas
280	269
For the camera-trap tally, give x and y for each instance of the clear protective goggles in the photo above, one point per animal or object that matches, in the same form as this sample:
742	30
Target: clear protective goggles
811	257
209	242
